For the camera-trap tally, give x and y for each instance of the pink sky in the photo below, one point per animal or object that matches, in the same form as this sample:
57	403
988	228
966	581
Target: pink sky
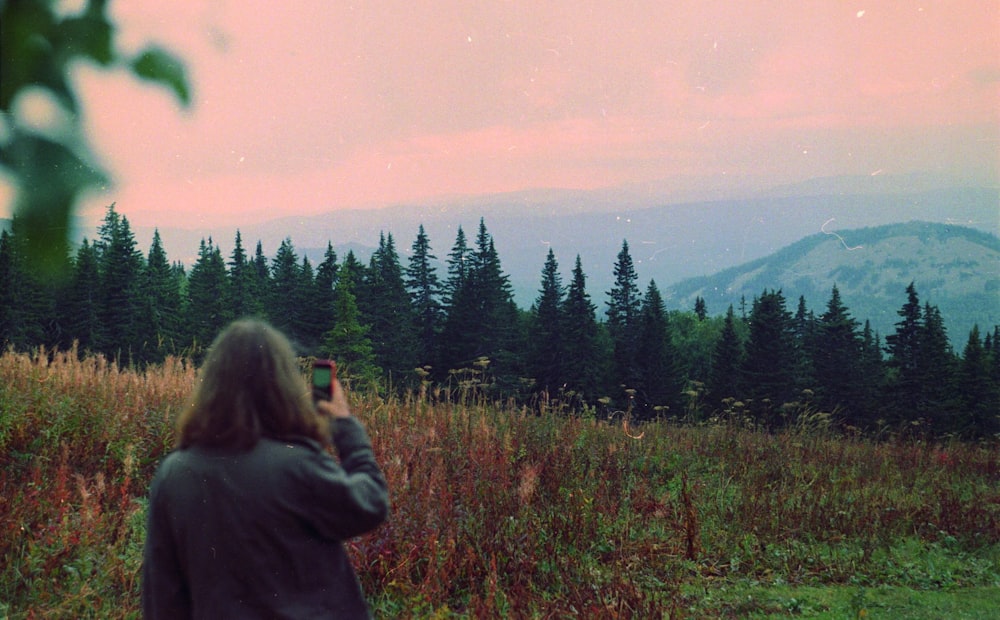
306	106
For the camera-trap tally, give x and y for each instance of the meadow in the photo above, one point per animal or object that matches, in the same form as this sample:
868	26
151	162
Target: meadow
500	511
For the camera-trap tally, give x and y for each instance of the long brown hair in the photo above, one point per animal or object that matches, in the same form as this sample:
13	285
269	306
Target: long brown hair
249	387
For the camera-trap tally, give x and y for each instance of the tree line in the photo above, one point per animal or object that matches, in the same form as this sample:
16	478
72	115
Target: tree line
393	324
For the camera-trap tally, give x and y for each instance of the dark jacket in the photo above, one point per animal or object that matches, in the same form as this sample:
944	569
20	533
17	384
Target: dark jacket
258	534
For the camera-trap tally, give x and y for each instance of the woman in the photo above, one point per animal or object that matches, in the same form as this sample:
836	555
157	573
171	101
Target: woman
247	516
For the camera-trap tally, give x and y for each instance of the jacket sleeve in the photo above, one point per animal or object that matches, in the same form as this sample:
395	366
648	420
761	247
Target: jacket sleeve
351	498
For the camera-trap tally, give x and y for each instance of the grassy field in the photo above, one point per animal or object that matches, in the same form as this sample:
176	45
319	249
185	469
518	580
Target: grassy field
500	512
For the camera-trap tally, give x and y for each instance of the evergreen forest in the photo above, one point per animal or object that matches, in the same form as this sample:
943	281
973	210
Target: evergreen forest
397	325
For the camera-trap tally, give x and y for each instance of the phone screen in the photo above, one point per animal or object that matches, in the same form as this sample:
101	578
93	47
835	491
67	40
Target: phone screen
322	375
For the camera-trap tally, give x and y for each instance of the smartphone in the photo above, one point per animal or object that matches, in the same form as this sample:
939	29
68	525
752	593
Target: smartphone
323	374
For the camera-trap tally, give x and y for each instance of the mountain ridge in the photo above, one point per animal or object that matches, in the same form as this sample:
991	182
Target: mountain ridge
953	267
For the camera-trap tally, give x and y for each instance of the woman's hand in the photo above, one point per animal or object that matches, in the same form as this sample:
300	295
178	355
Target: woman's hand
336	408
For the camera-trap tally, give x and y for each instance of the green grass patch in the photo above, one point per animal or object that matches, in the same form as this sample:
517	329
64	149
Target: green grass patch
840	602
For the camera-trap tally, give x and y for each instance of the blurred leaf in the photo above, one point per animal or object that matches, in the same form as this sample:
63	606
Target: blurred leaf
29	52
50	176
88	35
158	65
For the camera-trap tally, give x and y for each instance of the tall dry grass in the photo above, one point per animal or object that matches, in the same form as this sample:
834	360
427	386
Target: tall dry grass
497	511
79	440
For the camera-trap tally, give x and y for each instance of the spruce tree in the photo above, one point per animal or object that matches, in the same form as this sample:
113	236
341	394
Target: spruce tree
390	315
727	359
208	310
262	279
161	299
921	366
347	340
119	306
425	290
936	366
79	304
584	365
352	269
326	279
768	371
624	304
836	358
547	352
245	299
872	376
502	333
979	411
312	320
903	347
284	299
482	320
805	338
458	269
700	308
660	380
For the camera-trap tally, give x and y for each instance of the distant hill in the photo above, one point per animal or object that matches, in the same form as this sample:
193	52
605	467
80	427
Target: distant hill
954	268
669	242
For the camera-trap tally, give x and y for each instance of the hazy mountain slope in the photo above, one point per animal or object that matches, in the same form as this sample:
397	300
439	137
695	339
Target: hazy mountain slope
668	242
953	267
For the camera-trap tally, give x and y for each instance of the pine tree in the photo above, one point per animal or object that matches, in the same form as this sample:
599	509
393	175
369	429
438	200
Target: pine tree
207	305
347	340
262	279
872	376
425	290
313	320
390	316
700	308
836	358
326	279
546	330
482	320
119	306
284	303
161	299
352	269
805	338
458	269
727	359
79	304
624	304
768	371
921	365
583	365
980	414
660	380
503	331
903	348
936	366
245	294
